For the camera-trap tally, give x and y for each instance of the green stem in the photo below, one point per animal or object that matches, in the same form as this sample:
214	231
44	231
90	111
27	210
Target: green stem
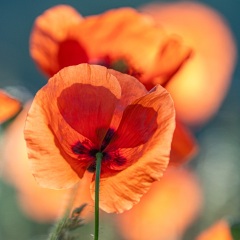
99	157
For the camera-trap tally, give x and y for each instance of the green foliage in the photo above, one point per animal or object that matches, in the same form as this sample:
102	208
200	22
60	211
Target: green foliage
235	230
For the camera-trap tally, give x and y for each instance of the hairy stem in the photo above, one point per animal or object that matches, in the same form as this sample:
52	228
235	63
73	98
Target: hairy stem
99	157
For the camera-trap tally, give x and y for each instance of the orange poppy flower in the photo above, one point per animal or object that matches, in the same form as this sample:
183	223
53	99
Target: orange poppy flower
220	231
8	106
40	204
87	109
165	211
199	87
61	37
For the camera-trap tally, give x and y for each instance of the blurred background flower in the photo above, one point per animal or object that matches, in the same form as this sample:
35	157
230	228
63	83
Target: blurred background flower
218	134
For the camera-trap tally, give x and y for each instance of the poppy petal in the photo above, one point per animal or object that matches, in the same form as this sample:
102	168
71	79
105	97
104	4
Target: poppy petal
150	156
8	106
51	44
93	93
47	158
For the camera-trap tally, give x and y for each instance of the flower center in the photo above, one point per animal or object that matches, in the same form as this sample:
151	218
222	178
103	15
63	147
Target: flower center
120	65
86	151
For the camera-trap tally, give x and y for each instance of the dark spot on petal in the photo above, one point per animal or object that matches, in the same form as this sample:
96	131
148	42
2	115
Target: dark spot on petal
119	160
92	167
79	148
93	152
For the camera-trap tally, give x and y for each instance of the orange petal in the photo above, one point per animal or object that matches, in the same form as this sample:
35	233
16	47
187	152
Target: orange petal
164	212
220	231
199	87
51	44
8	106
184	146
48	133
120	191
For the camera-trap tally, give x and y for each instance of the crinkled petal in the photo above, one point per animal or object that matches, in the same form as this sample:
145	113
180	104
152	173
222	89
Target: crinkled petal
51	44
123	189
49	162
8	106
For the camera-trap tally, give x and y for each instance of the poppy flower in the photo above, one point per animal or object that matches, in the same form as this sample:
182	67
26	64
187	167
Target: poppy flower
166	210
40	204
85	109
219	230
8	106
62	37
201	84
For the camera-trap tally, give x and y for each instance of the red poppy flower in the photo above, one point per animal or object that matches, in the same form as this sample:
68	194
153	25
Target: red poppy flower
201	84
61	37
87	109
8	106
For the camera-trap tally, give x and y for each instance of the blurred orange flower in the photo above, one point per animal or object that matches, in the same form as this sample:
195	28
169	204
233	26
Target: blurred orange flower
201	84
122	39
165	211
220	231
86	109
8	106
61	37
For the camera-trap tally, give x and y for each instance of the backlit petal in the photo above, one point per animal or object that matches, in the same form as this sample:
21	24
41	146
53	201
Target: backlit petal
199	87
165	211
149	154
87	99
48	160
8	106
51	44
